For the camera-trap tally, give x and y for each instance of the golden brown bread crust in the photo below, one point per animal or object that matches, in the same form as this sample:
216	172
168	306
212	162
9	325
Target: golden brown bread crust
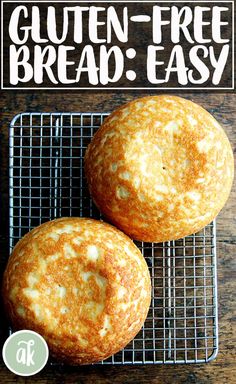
82	284
160	168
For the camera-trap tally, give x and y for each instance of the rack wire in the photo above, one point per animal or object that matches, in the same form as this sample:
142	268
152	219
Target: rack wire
46	180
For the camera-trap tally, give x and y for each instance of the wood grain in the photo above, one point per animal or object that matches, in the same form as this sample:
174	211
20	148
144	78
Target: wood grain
223	369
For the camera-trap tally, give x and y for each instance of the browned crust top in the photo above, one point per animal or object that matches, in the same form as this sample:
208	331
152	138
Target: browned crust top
80	283
160	168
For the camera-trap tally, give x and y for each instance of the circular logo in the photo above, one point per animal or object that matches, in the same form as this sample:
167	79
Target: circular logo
25	353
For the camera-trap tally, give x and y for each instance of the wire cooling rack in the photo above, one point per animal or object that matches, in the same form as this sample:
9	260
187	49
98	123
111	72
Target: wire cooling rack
46	180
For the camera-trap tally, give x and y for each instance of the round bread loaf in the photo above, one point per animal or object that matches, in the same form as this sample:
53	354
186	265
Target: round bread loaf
159	168
82	284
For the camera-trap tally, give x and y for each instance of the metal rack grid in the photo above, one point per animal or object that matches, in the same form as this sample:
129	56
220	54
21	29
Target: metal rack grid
46	180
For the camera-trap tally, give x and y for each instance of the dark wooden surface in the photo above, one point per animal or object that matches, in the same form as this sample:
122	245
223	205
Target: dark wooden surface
223	369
